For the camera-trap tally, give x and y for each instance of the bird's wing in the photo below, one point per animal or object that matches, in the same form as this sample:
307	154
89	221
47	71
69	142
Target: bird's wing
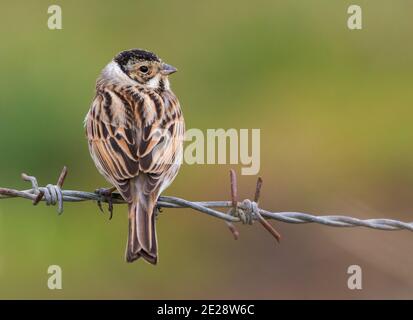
129	133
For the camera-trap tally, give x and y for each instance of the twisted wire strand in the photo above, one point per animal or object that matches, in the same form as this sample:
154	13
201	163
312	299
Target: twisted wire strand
246	211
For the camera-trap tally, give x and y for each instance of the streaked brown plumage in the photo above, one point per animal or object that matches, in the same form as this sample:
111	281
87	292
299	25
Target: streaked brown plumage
135	130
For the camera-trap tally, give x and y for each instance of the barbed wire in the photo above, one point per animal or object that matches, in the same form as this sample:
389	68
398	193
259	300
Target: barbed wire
246	211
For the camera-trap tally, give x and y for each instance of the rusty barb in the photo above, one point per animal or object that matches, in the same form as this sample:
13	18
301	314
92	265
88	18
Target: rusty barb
246	211
249	211
52	194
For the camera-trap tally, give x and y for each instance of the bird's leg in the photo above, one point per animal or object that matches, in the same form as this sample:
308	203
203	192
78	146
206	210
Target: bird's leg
106	193
157	210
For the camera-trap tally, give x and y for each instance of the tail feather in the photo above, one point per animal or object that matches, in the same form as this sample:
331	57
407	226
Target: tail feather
142	240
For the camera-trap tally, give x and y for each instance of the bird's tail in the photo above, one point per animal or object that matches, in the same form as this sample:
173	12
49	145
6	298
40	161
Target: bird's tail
142	234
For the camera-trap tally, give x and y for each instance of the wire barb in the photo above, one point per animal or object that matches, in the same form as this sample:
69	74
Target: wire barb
52	194
234	201
264	222
258	190
246	211
62	177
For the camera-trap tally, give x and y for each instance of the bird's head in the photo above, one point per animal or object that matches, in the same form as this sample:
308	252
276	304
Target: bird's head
145	68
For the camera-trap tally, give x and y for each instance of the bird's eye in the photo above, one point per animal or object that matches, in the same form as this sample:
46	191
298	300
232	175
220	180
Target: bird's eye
144	69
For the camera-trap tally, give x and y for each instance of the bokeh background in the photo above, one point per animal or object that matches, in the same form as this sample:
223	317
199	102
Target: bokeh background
334	107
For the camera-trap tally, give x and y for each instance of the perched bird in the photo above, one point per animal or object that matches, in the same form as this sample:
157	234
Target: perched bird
135	131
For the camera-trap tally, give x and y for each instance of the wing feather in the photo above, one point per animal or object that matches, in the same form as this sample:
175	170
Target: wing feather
131	132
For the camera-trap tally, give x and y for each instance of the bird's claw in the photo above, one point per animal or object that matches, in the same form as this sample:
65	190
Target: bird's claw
157	211
106	194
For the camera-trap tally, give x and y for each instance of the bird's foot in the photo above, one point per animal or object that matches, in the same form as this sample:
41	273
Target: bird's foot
157	211
106	195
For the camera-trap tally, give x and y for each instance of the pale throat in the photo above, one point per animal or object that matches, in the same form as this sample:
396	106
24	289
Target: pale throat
159	82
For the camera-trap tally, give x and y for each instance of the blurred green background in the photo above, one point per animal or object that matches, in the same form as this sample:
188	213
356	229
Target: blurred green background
334	107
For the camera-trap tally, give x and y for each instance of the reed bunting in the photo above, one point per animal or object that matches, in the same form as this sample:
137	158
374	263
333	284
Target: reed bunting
135	131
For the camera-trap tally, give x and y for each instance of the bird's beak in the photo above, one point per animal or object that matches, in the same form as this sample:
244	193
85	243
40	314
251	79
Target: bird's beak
167	69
